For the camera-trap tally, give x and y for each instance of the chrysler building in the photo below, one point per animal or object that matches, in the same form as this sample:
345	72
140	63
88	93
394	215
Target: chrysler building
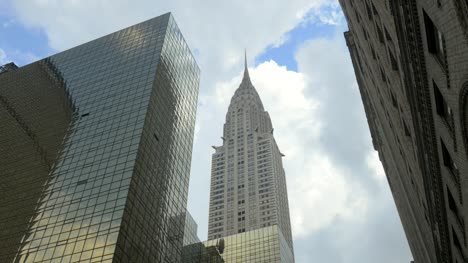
248	184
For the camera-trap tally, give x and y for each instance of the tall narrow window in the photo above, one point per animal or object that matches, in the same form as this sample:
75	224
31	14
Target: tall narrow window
391	7
456	241
442	108
435	38
373	52
369	11
380	34
374	10
393	60
387	35
382	74
447	158
394	101
452	203
407	130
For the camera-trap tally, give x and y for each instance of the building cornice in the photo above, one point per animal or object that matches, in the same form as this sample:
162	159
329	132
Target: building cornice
417	89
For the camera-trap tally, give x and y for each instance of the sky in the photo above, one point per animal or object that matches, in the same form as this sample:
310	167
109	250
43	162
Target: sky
340	204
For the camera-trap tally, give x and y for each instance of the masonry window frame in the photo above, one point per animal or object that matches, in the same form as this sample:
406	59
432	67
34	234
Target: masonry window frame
393	60
374	55
447	159
435	39
454	207
443	110
406	128
370	16
456	242
380	34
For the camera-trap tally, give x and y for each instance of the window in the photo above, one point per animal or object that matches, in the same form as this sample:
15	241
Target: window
394	101
451	202
456	241
373	52
387	35
380	33
369	11
358	17
82	182
391	8
442	107
382	74
393	61
447	158
435	39
407	131
374	10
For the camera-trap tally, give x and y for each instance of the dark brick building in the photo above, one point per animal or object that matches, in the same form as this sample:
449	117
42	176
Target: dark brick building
411	63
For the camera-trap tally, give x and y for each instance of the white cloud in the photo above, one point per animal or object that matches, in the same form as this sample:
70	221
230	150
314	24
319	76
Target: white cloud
333	16
374	164
23	57
220	30
19	57
217	30
315	183
317	113
351	200
285	91
321	194
318	118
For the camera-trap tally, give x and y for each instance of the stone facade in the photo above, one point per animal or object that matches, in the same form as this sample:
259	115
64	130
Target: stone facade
411	65
248	183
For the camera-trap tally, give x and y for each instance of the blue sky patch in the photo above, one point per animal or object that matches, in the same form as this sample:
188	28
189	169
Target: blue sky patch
22	45
284	53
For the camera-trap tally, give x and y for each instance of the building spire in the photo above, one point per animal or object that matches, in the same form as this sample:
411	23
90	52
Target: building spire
246	70
245	58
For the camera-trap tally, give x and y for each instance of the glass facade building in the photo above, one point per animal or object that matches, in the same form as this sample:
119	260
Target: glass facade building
190	230
264	245
199	253
194	251
35	113
96	148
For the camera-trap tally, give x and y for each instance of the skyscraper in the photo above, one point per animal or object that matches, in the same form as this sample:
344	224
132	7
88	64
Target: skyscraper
248	184
95	149
411	64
